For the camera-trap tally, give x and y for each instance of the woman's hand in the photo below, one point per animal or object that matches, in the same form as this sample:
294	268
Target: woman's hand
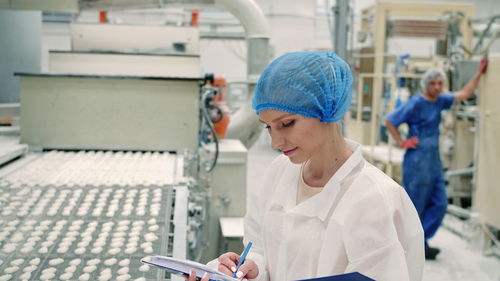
409	143
483	65
228	262
192	276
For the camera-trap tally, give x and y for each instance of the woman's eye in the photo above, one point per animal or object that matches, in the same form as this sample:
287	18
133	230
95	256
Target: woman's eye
267	127
288	124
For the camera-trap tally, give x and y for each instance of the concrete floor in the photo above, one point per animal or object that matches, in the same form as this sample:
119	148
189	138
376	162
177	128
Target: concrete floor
457	261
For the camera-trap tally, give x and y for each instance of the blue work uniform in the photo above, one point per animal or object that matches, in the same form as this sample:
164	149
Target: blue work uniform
422	169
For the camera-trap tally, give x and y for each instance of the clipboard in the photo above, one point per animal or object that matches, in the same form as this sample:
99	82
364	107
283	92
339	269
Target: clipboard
181	266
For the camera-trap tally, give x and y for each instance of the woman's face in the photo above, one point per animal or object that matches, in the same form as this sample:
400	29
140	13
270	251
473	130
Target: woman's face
298	137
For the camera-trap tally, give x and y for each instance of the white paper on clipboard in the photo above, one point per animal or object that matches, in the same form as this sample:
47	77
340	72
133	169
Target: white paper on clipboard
185	266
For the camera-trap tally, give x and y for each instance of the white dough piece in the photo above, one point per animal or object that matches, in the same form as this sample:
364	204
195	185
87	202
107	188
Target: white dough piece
49	270
26	228
70	269
11	269
30	222
56	261
84	277
86	237
26	250
116	244
29	244
130	250
13	223
66	276
80	251
89	268
154	227
110	262
62	250
150	237
5	277
123	270
65	244
122	228
30	268
105	277
47	276
123	277
131	245
48	222
124	222
96	250
114	251
75	262
17	262
93	262
9	248
136	223
137	228
124	262
144	268
35	261
134	239
134	233
25	276
47	243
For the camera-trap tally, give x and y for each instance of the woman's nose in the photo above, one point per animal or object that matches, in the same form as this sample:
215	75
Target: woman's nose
277	141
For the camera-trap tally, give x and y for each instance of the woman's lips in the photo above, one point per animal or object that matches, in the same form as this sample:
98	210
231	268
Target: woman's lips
289	152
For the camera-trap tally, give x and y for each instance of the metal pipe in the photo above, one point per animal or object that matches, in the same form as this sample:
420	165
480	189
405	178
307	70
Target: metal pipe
341	12
460	172
244	124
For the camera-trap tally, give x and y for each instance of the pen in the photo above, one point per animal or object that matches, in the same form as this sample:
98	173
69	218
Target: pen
242	258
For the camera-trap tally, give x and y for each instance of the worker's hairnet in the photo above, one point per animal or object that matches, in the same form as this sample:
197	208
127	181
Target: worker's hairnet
312	84
430	75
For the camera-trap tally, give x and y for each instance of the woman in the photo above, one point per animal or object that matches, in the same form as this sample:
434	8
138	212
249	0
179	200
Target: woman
322	209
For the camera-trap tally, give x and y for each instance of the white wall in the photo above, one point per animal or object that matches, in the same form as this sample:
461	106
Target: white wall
224	57
20	45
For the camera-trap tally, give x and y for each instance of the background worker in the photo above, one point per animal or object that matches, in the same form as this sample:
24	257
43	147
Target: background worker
422	169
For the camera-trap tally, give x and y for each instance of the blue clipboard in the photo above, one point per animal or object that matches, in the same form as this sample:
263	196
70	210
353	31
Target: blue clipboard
354	276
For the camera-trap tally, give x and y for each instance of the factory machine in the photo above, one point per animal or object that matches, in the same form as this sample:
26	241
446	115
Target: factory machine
108	170
116	150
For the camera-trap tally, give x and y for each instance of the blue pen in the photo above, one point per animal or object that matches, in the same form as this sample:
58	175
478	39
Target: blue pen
243	257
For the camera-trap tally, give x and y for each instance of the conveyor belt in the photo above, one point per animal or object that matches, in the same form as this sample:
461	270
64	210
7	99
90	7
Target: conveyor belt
87	215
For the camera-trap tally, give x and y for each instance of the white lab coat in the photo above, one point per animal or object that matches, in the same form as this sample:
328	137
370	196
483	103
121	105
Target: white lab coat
361	221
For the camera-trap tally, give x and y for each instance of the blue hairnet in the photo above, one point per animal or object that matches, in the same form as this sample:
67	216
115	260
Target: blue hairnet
430	75
312	84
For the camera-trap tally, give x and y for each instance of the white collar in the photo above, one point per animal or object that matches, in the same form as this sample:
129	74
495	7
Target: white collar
320	204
